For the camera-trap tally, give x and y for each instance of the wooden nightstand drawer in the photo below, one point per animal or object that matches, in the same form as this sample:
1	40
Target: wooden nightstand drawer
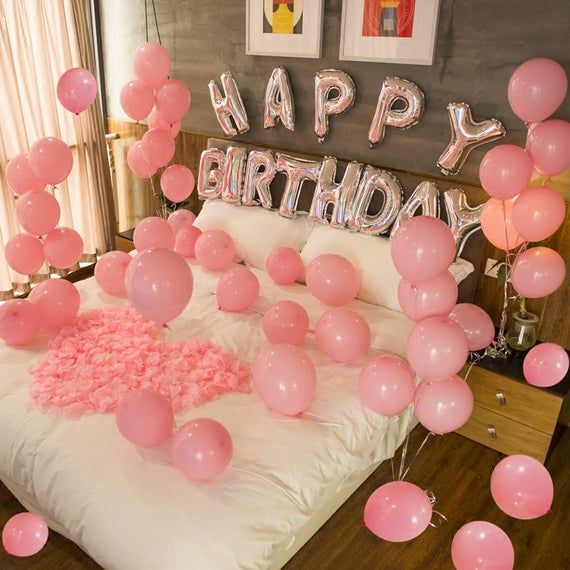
505	435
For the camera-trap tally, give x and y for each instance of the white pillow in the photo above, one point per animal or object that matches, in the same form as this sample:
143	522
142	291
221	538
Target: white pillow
255	231
370	256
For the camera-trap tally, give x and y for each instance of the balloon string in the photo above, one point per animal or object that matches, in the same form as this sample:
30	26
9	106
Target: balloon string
156	22
146	21
406	442
416	455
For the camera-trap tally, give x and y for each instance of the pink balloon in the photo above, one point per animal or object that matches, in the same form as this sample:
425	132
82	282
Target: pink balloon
538	272
343	335
145	418
285	378
172	100
51	160
38	212
20	176
63	248
536	89
137	99
545	365
155	121
159	284
480	545
202	449
443	406
77	89
138	163
505	171
177	183
185	241
332	279
397	511
20	322
181	218
422	248
286	322
58	301
151	63
435	297
538	213
522	487
477	325
437	348
215	250
284	265
25	534
497	224
549	147
158	147
237	290
386	385
24	253
153	232
110	272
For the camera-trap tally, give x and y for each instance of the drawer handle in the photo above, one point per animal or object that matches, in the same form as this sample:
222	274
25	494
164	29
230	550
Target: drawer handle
500	395
492	432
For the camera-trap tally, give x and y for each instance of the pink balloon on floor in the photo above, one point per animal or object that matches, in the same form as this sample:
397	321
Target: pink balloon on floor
177	183
549	147
538	272
437	348
481	545
77	89
155	121
110	272
38	212
343	335
20	176
545	365
151	63
285	378
422	248
172	100
397	511
137	99
153	232
386	385
237	290
435	297
58	301
215	250
20	322
286	322
24	253
181	218
138	163
145	417
443	406
185	241
25	534
158	147
63	248
284	265
497	224
332	279
202	449
51	160
477	325
522	487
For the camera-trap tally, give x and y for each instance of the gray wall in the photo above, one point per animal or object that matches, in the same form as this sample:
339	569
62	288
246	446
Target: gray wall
480	43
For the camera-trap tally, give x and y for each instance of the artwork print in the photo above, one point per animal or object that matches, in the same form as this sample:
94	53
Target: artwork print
388	18
283	17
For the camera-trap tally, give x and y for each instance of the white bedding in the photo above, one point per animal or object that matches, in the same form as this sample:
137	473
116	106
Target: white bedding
131	509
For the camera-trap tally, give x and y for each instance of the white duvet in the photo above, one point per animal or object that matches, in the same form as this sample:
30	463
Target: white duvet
132	510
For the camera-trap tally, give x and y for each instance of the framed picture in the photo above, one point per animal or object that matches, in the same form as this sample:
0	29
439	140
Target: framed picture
288	28
391	31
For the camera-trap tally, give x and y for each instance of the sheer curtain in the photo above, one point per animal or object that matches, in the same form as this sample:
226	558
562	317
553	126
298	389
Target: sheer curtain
39	40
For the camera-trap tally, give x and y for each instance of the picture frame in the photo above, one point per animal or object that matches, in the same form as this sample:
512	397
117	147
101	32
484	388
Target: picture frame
284	28
389	31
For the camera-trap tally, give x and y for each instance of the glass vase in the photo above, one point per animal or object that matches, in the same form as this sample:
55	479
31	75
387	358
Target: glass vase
521	334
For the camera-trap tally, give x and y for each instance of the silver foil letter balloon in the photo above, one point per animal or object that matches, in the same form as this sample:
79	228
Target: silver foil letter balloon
233	175
211	174
228	105
463	220
298	170
334	94
426	197
466	134
259	173
339	194
375	180
279	104
395	90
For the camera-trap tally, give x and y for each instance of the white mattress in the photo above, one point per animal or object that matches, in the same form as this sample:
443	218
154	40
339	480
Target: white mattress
131	509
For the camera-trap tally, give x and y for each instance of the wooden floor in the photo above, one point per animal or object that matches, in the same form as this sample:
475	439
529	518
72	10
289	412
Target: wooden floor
455	469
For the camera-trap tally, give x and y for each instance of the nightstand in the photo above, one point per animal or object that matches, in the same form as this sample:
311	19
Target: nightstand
124	241
510	415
